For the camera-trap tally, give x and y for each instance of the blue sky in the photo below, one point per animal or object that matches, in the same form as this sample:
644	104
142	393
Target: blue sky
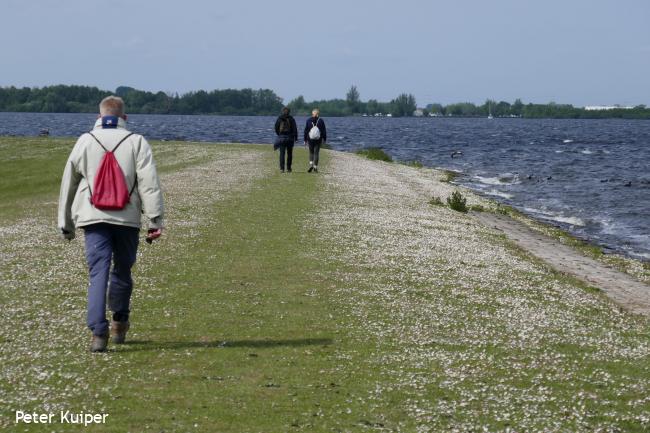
570	51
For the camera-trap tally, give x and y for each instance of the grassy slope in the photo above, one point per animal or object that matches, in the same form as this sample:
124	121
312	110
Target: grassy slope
236	329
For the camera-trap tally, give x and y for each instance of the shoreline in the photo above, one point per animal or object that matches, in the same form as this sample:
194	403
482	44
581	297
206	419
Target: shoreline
583	242
605	267
614	251
624	279
562	228
624	288
630	265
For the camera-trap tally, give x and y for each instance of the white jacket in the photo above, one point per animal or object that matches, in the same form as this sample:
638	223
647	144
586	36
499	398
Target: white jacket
136	161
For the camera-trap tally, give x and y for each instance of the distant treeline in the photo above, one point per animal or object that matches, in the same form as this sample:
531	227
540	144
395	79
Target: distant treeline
535	111
402	105
84	99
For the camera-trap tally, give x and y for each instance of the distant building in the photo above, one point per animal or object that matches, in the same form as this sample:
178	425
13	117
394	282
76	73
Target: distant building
607	107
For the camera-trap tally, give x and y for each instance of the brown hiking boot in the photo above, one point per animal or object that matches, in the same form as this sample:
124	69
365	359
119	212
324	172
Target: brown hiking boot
99	343
118	331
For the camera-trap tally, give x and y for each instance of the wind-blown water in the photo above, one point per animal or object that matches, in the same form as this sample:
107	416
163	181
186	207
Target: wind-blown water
592	177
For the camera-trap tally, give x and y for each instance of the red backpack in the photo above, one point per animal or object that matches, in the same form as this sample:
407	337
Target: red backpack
111	192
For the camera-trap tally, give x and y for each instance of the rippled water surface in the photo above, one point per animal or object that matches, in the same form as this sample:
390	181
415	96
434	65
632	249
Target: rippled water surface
589	176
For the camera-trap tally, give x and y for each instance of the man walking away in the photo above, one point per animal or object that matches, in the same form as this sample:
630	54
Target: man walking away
109	181
287	134
315	136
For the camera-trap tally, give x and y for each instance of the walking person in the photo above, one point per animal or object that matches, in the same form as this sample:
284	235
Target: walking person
109	182
315	137
287	134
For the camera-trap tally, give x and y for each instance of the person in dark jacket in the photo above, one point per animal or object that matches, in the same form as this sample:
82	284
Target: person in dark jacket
315	139
287	134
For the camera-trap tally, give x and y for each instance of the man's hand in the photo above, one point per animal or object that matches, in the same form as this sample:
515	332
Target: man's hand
67	235
153	234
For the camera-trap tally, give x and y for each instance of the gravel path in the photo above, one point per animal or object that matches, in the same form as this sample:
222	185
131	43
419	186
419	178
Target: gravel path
622	288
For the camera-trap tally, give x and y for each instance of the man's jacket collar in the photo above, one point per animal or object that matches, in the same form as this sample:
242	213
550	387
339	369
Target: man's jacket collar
121	123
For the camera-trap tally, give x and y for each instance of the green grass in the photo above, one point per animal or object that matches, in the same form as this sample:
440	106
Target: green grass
375	153
413	163
239	325
449	176
31	171
239	333
254	315
477	208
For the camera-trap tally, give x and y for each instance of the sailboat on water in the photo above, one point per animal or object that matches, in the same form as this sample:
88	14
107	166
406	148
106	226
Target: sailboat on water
490	116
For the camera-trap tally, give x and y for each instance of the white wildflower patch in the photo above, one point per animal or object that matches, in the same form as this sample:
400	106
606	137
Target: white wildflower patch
480	336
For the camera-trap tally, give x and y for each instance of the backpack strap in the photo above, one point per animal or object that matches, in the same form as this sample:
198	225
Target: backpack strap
135	184
122	141
118	144
98	142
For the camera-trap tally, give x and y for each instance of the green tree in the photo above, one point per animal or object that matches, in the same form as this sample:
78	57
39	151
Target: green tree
436	108
517	107
54	103
353	99
122	91
372	107
465	109
403	105
488	107
298	104
501	109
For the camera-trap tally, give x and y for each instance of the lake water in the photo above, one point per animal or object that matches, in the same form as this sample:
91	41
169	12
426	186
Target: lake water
591	177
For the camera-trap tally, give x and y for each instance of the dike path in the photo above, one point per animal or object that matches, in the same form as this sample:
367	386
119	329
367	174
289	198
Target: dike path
339	301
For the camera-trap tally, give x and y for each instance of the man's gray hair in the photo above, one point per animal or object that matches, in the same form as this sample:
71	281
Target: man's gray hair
112	106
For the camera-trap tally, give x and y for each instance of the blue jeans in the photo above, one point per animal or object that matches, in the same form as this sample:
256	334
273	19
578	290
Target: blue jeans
106	244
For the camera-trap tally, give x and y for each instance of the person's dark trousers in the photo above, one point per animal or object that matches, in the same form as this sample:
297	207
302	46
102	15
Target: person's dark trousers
314	150
106	243
286	147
